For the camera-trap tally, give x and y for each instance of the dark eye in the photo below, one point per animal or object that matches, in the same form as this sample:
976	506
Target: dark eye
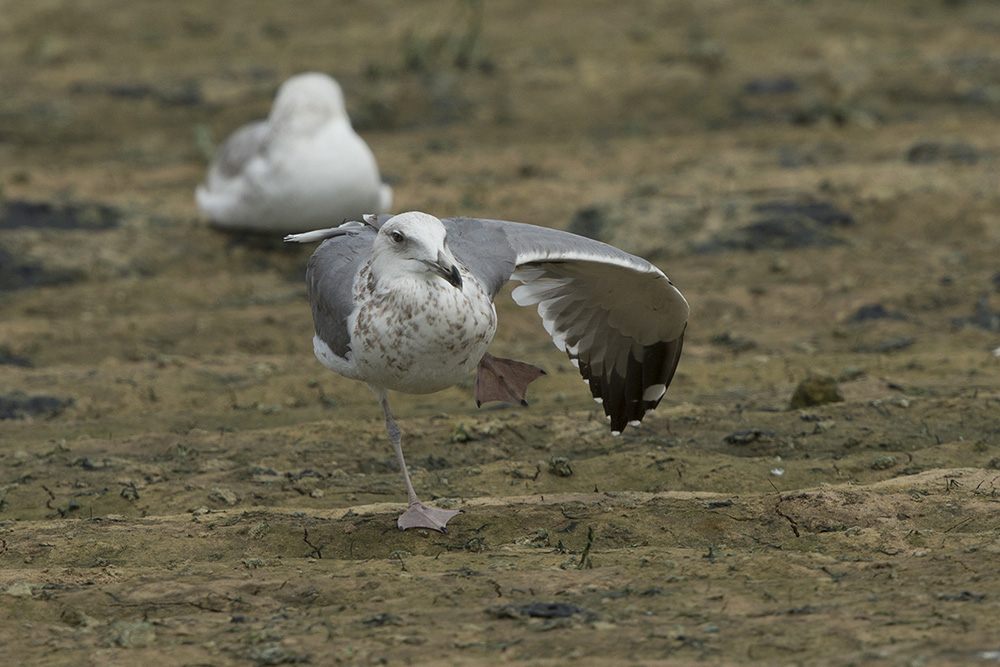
397	237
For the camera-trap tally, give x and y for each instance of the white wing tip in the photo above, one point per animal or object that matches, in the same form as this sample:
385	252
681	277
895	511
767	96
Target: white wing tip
521	297
654	392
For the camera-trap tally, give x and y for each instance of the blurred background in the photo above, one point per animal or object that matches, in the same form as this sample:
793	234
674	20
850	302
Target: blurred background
665	128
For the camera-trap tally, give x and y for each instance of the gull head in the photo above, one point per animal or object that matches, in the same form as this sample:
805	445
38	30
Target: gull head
306	102
414	244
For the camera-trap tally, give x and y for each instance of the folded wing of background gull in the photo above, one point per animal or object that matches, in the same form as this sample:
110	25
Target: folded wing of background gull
304	166
617	316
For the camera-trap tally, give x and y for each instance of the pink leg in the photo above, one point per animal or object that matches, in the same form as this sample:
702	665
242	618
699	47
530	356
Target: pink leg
417	515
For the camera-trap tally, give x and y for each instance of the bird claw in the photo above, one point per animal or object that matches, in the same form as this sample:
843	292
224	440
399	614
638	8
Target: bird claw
419	515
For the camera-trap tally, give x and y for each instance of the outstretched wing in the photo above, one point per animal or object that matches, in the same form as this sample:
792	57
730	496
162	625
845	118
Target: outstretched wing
617	316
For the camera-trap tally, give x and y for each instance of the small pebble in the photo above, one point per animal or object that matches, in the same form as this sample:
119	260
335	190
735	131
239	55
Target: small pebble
815	390
883	462
559	466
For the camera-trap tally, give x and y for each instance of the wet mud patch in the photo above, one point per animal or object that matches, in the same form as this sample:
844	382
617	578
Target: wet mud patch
18	272
781	225
18	405
19	214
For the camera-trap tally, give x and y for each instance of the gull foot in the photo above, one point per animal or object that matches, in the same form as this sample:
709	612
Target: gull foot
419	515
500	379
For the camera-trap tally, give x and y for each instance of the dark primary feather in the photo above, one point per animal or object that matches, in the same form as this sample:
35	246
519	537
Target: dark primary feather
622	396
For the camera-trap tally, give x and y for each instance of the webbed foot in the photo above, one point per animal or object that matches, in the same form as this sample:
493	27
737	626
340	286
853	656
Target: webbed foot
418	515
499	379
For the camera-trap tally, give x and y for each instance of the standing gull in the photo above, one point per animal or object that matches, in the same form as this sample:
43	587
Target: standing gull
304	166
406	303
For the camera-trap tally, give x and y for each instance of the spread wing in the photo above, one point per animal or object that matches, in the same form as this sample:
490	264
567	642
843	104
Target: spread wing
618	317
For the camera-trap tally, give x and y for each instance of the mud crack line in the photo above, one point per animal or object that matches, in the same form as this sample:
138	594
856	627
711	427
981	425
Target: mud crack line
790	520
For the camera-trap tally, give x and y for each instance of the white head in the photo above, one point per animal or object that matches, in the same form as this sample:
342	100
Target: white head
307	101
414	244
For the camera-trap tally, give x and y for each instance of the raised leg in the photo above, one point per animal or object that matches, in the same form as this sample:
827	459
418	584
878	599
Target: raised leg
417	515
499	379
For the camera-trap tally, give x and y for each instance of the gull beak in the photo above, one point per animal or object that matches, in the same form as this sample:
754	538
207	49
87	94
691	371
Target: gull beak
446	267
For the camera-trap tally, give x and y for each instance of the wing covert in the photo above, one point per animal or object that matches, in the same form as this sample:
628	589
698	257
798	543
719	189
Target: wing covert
240	147
330	294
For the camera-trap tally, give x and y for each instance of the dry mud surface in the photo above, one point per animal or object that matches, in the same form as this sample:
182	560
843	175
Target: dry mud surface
181	483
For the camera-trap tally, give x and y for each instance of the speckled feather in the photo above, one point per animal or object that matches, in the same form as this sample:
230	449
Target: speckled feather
419	336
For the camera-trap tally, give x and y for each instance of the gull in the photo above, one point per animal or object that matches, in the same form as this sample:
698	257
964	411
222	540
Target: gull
405	303
304	166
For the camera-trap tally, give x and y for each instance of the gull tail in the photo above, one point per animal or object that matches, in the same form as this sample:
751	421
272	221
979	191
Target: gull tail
504	380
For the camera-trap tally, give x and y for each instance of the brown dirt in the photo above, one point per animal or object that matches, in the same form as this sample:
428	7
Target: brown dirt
206	493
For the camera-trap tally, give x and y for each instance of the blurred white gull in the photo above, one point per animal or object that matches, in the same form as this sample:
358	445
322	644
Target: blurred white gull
302	167
406	303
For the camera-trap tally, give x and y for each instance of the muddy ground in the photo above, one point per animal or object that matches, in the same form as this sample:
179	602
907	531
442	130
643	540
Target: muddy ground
181	483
